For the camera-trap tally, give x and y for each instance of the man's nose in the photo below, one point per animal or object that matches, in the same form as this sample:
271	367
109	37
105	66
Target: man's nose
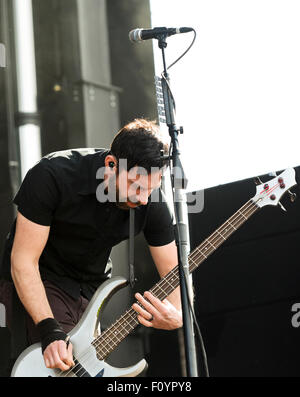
143	198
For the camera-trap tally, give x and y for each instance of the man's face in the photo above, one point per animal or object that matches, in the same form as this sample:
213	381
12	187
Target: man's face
134	187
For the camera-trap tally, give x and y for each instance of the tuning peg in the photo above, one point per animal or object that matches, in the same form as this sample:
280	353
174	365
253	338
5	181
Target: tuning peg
257	180
293	196
281	206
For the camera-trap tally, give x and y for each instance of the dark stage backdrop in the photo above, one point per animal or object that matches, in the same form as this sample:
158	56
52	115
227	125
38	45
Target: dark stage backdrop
244	292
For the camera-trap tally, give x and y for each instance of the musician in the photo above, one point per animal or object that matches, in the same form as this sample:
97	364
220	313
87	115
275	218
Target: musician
73	207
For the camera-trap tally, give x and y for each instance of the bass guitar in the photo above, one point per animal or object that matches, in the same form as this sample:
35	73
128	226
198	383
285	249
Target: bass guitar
91	348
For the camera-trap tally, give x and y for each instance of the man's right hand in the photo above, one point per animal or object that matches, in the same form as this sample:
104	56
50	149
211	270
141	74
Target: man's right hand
58	355
56	349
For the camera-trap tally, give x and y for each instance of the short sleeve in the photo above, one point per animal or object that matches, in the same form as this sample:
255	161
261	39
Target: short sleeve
159	228
38	195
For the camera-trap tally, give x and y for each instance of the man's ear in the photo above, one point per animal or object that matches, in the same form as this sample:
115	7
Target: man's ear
110	161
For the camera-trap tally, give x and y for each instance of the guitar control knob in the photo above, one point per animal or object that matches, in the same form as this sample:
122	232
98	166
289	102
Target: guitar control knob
273	197
266	186
280	180
282	186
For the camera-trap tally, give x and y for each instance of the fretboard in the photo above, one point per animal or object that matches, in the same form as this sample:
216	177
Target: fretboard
112	336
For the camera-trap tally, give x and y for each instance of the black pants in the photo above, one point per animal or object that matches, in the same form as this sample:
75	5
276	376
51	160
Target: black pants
66	310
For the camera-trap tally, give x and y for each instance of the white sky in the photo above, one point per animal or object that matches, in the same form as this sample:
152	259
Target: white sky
237	91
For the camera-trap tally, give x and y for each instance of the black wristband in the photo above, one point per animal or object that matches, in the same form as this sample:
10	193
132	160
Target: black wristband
50	331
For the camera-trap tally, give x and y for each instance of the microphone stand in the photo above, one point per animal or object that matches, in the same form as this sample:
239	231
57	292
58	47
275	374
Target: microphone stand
179	182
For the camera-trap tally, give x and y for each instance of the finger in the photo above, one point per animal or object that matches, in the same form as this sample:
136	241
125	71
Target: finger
147	305
52	357
48	356
157	303
145	322
148	316
48	361
70	351
65	353
53	361
59	363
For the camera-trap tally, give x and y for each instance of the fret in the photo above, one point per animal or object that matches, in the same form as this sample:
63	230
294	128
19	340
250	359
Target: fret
191	260
206	248
132	317
174	276
232	225
171	285
211	244
225	230
228	231
221	234
171	278
125	325
242	214
110	340
202	253
114	336
160	288
107	350
168	288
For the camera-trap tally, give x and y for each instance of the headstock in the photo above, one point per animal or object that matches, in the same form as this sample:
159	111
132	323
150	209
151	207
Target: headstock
270	193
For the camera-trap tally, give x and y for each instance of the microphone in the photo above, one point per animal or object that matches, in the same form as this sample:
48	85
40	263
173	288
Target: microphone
138	35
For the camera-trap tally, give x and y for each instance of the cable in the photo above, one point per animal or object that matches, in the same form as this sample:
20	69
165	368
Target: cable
183	54
172	64
205	365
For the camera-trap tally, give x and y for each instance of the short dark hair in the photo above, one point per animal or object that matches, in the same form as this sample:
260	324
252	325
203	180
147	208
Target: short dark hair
140	143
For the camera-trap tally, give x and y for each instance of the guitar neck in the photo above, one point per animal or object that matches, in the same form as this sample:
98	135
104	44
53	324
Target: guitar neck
112	336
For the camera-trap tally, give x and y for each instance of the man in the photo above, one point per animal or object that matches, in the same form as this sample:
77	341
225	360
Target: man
67	223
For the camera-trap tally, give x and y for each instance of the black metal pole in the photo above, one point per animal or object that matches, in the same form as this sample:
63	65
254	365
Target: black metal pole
179	183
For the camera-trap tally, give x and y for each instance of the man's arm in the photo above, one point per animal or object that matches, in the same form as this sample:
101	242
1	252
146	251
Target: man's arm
166	314
165	259
29	242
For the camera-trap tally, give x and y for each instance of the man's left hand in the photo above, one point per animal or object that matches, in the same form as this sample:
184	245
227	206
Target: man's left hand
156	313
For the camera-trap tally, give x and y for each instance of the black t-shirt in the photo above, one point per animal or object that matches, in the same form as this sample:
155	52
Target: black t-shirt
60	192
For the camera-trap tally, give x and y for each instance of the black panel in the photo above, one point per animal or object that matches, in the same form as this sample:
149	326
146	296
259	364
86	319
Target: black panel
244	291
257	341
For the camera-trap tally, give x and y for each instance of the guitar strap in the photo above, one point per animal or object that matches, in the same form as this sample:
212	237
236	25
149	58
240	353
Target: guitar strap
132	278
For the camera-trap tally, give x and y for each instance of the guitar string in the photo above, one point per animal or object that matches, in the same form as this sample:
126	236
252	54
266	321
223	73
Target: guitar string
107	334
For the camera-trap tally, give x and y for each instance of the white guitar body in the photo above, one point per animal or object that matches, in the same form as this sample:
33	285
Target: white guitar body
31	363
